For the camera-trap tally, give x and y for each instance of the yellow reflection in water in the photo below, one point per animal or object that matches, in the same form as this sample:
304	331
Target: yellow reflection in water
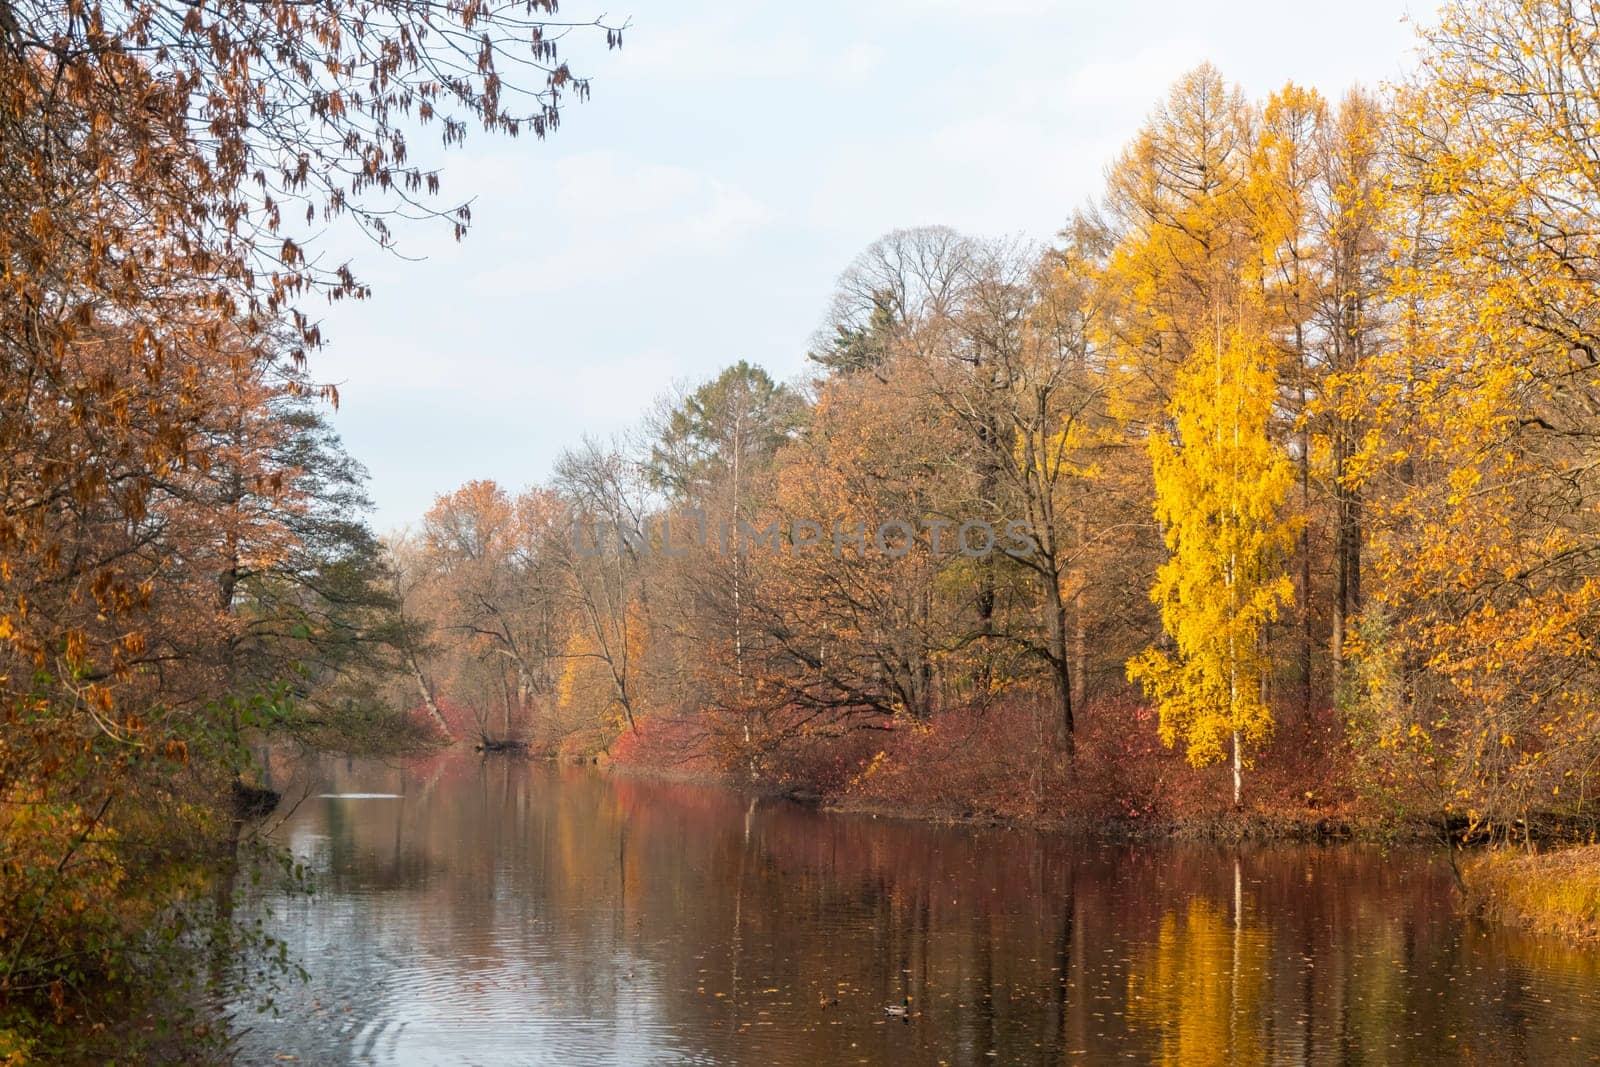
1202	986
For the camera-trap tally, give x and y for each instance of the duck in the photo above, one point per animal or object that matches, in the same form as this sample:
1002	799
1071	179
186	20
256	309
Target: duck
901	1010
828	1002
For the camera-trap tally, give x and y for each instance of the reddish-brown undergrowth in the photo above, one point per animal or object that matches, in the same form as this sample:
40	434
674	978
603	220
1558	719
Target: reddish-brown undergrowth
1000	765
669	747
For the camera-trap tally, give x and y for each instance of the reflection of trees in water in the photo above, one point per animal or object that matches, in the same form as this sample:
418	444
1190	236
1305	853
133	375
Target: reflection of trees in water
1348	956
1201	985
441	912
686	920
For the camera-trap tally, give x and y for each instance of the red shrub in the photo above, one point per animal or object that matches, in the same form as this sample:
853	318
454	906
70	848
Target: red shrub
999	765
666	745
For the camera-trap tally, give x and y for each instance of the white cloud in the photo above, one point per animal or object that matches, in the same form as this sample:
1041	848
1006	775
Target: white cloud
616	218
737	48
857	63
1139	79
613	394
714	50
992	9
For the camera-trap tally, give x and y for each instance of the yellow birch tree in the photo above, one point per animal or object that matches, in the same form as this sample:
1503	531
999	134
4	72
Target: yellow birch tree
1221	483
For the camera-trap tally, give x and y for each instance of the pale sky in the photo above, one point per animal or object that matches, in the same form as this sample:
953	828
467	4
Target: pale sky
734	158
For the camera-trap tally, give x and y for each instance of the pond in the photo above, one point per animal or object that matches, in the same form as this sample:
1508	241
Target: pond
494	911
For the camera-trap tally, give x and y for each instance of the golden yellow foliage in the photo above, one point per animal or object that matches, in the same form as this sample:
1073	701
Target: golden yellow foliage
1220	488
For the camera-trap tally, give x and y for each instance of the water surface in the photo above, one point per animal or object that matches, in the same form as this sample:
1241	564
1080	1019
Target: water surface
502	912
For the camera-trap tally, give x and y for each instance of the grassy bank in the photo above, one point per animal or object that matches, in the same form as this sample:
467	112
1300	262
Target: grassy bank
1554	892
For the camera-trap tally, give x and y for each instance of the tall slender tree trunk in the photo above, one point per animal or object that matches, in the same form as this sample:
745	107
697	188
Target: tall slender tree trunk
1305	539
1232	579
1060	665
1354	548
1305	584
989	439
1347	536
1080	626
1233	700
1341	564
738	565
1346	560
1238	771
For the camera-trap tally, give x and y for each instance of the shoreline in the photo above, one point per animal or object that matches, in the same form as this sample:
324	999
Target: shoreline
1224	826
1556	893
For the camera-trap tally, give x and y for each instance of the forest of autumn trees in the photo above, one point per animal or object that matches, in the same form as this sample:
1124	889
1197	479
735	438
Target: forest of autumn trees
1297	415
1301	418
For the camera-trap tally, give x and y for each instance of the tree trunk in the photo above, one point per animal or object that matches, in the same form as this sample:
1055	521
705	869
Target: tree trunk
1060	669
1346	560
1354	552
1080	626
1305	543
1341	564
1238	770
427	696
